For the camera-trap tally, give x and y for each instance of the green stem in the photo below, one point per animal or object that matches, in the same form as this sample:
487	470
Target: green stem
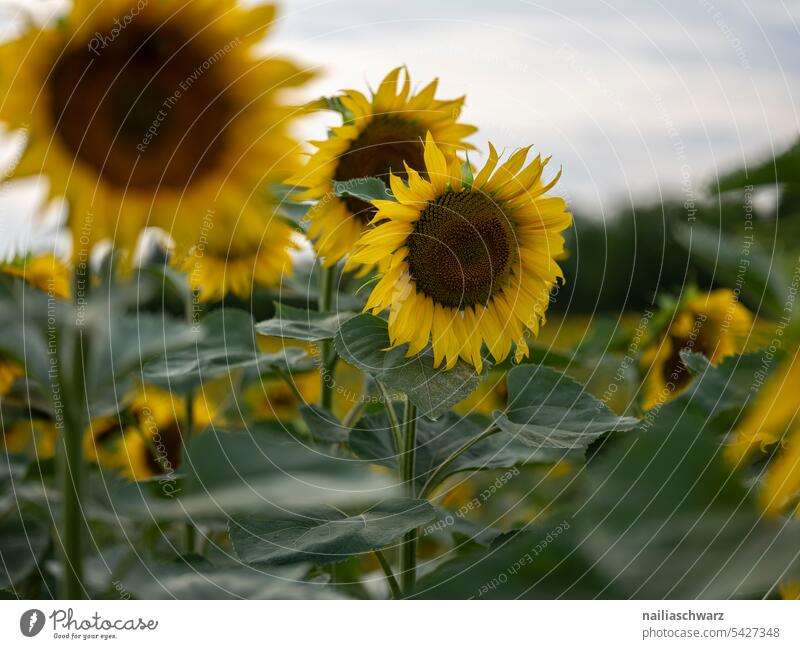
72	474
354	414
326	290
394	587
431	482
190	535
394	424
292	386
408	547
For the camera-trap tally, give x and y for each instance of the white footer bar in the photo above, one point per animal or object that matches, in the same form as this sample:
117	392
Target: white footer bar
390	625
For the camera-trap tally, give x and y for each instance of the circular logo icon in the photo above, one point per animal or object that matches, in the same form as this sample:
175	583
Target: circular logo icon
31	622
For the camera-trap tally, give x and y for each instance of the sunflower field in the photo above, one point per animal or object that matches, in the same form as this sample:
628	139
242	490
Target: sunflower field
393	361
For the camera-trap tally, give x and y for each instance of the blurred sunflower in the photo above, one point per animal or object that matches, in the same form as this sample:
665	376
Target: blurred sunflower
32	437
714	324
379	135
471	261
147	440
490	395
773	419
146	113
233	257
45	272
10	371
273	399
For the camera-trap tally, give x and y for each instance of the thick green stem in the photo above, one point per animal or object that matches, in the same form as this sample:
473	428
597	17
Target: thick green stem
72	473
431	482
327	359
408	547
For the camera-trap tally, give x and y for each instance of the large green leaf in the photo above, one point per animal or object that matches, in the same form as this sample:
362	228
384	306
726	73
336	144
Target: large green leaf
325	534
436	440
363	342
661	516
547	409
323	424
726	387
227	344
299	324
24	539
225	472
196	578
116	338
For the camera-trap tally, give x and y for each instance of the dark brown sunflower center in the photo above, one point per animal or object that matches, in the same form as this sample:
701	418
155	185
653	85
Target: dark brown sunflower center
699	341
461	249
145	109
165	454
385	144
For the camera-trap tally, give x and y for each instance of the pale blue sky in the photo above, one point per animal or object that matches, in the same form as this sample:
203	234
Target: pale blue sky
632	98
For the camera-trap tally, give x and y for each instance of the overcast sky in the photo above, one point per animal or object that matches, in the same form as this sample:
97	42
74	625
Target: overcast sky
630	97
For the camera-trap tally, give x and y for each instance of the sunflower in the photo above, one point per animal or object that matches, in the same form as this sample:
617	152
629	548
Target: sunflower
233	257
714	324
379	135
274	400
271	398
470	261
147	439
774	419
490	395
147	113
10	371
35	437
45	272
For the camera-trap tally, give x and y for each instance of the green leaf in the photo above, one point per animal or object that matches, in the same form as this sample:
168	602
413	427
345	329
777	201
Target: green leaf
725	387
325	535
682	525
24	540
365	189
467	176
695	362
186	369
436	440
225	472
335	103
299	324
119	339
173	284
661	516
363	342
287	207
196	578
12	471
323	424
123	345
227	344
547	409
